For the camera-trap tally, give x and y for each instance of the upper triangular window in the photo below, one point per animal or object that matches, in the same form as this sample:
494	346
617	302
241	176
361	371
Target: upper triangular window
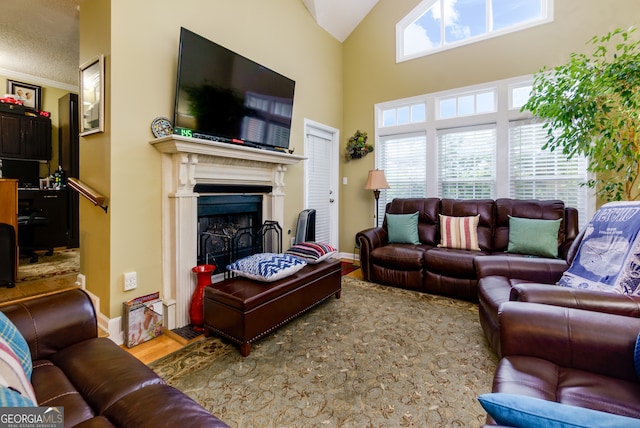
436	25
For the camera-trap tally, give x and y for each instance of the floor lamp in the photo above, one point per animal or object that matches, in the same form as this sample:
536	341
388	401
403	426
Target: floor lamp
376	181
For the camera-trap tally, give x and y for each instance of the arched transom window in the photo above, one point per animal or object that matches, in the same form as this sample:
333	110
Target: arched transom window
437	25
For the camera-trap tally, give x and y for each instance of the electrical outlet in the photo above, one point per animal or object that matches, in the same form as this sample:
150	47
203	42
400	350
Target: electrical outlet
293	241
130	281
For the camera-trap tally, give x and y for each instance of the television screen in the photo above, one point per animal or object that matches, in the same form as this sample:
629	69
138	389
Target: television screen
224	95
27	172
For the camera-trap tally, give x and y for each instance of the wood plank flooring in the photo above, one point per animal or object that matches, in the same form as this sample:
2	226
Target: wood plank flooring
154	349
146	352
170	342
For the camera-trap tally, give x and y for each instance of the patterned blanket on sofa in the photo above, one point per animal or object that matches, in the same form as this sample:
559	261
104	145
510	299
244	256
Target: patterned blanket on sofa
608	258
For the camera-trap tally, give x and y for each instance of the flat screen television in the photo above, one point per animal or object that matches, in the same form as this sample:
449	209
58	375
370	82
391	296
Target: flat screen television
223	96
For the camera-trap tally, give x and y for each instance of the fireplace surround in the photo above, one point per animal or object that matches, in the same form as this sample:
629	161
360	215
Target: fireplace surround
187	163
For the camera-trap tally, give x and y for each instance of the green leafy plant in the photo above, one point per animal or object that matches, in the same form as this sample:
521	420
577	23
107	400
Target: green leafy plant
592	108
357	146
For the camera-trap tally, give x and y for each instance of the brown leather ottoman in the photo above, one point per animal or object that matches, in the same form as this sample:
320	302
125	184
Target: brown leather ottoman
244	310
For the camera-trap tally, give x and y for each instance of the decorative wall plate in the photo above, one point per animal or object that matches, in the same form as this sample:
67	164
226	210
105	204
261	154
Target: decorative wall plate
161	127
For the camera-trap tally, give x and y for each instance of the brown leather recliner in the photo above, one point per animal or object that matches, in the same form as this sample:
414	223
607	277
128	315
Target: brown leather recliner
502	279
98	383
571	356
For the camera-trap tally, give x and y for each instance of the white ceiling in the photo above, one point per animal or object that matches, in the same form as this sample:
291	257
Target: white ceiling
339	17
39	38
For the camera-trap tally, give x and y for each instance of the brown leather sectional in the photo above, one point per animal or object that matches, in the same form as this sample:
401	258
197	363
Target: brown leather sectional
98	383
502	279
571	356
452	272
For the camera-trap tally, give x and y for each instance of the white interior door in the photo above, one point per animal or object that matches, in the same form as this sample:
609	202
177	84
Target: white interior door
321	179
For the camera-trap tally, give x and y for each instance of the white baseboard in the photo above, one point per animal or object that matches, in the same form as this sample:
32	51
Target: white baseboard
112	326
349	256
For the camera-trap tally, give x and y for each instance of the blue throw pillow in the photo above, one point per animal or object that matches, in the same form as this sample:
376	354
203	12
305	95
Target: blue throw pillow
267	267
9	332
636	356
12	398
403	228
520	411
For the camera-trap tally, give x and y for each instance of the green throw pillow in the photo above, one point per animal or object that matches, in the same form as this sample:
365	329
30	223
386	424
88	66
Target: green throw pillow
533	237
403	228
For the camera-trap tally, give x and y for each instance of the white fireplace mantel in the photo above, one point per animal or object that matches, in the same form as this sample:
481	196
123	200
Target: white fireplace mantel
185	163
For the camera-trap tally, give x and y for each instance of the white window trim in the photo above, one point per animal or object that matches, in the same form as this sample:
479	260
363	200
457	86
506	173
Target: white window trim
547	12
502	117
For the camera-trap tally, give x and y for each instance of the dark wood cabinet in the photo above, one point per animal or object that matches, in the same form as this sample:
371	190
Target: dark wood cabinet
25	137
10	135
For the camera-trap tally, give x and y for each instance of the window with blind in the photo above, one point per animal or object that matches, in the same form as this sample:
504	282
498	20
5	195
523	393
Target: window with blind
467	162
480	153
542	174
403	159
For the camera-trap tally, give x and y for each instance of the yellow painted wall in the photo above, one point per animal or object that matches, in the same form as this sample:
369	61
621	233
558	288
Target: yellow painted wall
140	42
371	74
96	246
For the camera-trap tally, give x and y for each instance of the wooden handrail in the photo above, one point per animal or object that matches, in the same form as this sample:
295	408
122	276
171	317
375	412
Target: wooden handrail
87	192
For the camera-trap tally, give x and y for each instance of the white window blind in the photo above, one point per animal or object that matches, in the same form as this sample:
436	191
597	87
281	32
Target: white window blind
403	159
543	174
467	162
319	149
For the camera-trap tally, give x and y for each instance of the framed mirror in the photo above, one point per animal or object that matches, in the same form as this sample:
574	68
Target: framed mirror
92	96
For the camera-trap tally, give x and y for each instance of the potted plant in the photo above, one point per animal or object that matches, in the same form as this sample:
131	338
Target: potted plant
357	146
592	105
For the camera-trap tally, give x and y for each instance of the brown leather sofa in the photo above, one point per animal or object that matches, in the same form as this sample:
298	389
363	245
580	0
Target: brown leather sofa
572	356
452	272
503	279
98	383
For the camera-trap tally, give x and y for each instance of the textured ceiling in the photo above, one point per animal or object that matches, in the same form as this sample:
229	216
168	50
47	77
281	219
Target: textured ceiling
39	38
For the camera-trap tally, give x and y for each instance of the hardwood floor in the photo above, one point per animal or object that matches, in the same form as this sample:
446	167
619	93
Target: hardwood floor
29	289
154	349
146	352
170	342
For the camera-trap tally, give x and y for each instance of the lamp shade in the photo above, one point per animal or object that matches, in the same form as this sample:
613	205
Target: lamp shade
376	180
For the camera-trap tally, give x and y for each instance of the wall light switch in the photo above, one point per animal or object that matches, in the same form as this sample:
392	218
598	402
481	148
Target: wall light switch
344	180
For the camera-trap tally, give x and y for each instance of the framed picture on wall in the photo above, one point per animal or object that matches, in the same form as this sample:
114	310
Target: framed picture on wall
30	95
92	96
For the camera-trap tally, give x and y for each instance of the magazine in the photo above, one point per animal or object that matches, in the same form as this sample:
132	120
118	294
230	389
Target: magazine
142	319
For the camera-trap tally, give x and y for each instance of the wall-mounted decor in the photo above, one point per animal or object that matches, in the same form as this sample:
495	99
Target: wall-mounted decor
92	96
30	95
357	146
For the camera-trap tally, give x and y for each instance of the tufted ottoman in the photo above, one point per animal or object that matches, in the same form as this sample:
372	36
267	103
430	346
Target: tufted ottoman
244	310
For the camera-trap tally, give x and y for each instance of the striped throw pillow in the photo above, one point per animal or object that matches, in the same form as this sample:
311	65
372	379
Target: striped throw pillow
459	232
12	375
312	252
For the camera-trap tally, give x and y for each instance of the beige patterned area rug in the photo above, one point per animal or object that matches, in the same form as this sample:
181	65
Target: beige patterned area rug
61	262
377	357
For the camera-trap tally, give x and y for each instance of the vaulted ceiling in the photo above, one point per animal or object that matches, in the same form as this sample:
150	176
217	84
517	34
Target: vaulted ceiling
40	37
